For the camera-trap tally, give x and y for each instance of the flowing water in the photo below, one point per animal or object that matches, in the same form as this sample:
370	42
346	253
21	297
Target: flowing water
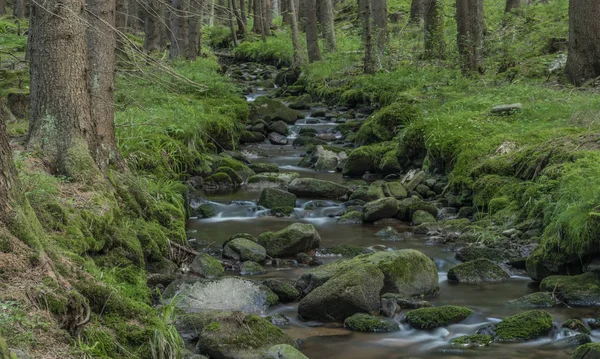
238	212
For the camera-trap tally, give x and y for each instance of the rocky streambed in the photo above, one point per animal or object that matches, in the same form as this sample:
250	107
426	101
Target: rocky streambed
292	254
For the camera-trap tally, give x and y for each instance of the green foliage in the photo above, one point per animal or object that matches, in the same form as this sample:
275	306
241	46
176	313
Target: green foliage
277	50
524	326
431	318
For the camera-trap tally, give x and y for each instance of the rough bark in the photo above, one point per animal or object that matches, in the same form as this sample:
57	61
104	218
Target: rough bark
232	23
297	57
267	17
365	14
328	24
19	8
238	17
194	20
133	16
380	22
256	15
312	32
2	7
512	4
165	24
244	13
179	29
469	20
434	29
583	62
60	125
417	11
152	25
121	15
102	66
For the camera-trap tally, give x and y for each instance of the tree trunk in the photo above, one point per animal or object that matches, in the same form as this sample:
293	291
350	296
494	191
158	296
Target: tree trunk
102	66
297	58
244	13
152	25
121	15
2	7
19	8
165	24
238	17
312	32
256	9
133	19
365	14
512	4
267	17
583	62
469	20
380	18
417	11
434	29
232	23
328	24
60	125
194	20
179	29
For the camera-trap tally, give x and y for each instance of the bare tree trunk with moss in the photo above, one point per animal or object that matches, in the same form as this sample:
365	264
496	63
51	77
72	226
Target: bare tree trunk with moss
380	22
244	13
179	29
267	18
417	11
312	31
194	18
583	62
232	24
512	4
152	25
328	24
369	60
469	20
434	30
297	56
60	125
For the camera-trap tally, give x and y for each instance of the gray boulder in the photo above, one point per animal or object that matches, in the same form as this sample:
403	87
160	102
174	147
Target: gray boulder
477	271
316	188
207	266
381	208
276	198
288	242
244	250
277	139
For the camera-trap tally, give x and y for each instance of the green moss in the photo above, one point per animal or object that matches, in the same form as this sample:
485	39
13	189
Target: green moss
586	351
431	318
472	341
282	211
5	353
536	300
581	289
524	326
354	98
346	250
477	271
385	123
235	178
367	323
220	179
367	159
576	325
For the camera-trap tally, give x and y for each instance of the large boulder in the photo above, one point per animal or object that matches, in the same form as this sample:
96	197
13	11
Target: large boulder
294	239
316	188
587	351
272	110
523	326
395	189
277	139
536	300
345	294
279	127
207	266
477	271
578	290
276	198
435	317
272	180
421	217
243	249
285	290
231	335
408	272
361	322
381	208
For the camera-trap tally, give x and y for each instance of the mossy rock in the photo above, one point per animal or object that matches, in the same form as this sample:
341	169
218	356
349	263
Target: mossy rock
421	217
252	137
231	334
308	141
587	351
285	290
343	295
245	250
368	194
282	211
272	179
471	341
205	210
283	351
383	124
351	217
244	172
219	180
316	188
578	290
524	326
237	180
470	253
279	127
261	167
207	266
536	300
273	198
366	159
477	271
247	236
273	110
252	268
436	317
395	190
294	239
380	209
346	250
355	98
576	325
361	322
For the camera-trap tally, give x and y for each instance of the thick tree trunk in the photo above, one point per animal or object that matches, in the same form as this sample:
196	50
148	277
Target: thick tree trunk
194	19
133	18
60	125
469	20
238	17
380	20
434	29
583	62
512	4
102	66
267	17
312	32
286	12
328	24
232	23
152	25
244	13
256	15
417	11
297	58
365	14
179	29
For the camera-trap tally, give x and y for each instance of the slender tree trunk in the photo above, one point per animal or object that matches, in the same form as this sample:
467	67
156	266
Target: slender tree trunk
365	14
232	23
60	125
194	19
2	7
417	11
179	29
152	25
19	8
211	20
244	13
133	19
312	32
297	58
102	66
256	10
121	16
238	18
583	62
469	20
434	30
328	24
165	24
512	4
267	17
380	20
